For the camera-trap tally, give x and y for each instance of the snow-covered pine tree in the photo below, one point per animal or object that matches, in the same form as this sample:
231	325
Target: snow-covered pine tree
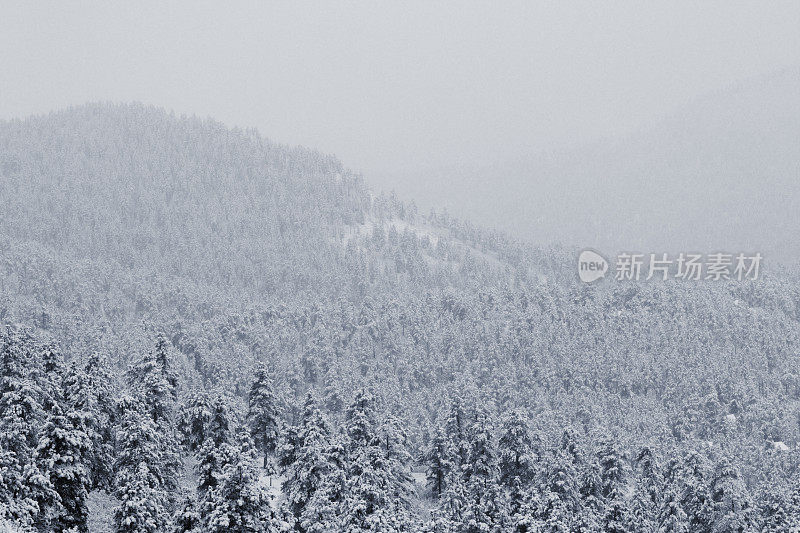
188	516
64	453
237	503
101	378
613	470
165	363
263	416
438	523
81	404
394	441
617	517
100	387
650	474
26	491
454	501
672	518
561	503
142	471
155	378
212	455
193	421
457	426
438	463
323	511
692	475
50	374
371	483
517	460
648	489
211	459
794	504
733	511
486	507
221	422
643	514
780	507
287	446
517	450
525	518
612	479
142	504
310	466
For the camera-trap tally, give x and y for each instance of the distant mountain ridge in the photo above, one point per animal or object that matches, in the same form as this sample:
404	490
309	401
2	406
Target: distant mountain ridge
721	173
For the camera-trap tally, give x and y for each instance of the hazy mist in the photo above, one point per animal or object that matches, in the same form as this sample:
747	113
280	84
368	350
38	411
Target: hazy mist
610	125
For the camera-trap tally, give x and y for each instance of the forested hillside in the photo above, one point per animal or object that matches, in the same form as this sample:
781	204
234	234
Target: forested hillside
198	307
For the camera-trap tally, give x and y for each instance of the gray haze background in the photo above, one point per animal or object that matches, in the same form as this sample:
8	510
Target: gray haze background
624	125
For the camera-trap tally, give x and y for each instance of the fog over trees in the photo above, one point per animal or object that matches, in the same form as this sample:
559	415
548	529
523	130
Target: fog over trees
210	323
208	331
719	172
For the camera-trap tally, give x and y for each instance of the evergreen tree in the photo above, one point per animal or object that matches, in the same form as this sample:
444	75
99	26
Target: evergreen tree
194	418
672	518
616	518
438	463
237	503
454	501
188	517
370	481
457	427
777	510
98	387
142	471
732	510
561	498
155	381
524	518
204	418
486	508
648	489
323	511
212	420
651	477
102	379
517	459
80	401
142	504
154	377
310	466
693	476
287	447
643	514
438	523
27	491
613	470
518	453
211	459
263	416
221	421
394	442
50	374
64	452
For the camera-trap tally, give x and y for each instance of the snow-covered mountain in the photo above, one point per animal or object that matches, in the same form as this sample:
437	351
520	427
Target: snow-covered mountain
221	278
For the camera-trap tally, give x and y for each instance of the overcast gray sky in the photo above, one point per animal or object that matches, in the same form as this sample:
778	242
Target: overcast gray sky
389	86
